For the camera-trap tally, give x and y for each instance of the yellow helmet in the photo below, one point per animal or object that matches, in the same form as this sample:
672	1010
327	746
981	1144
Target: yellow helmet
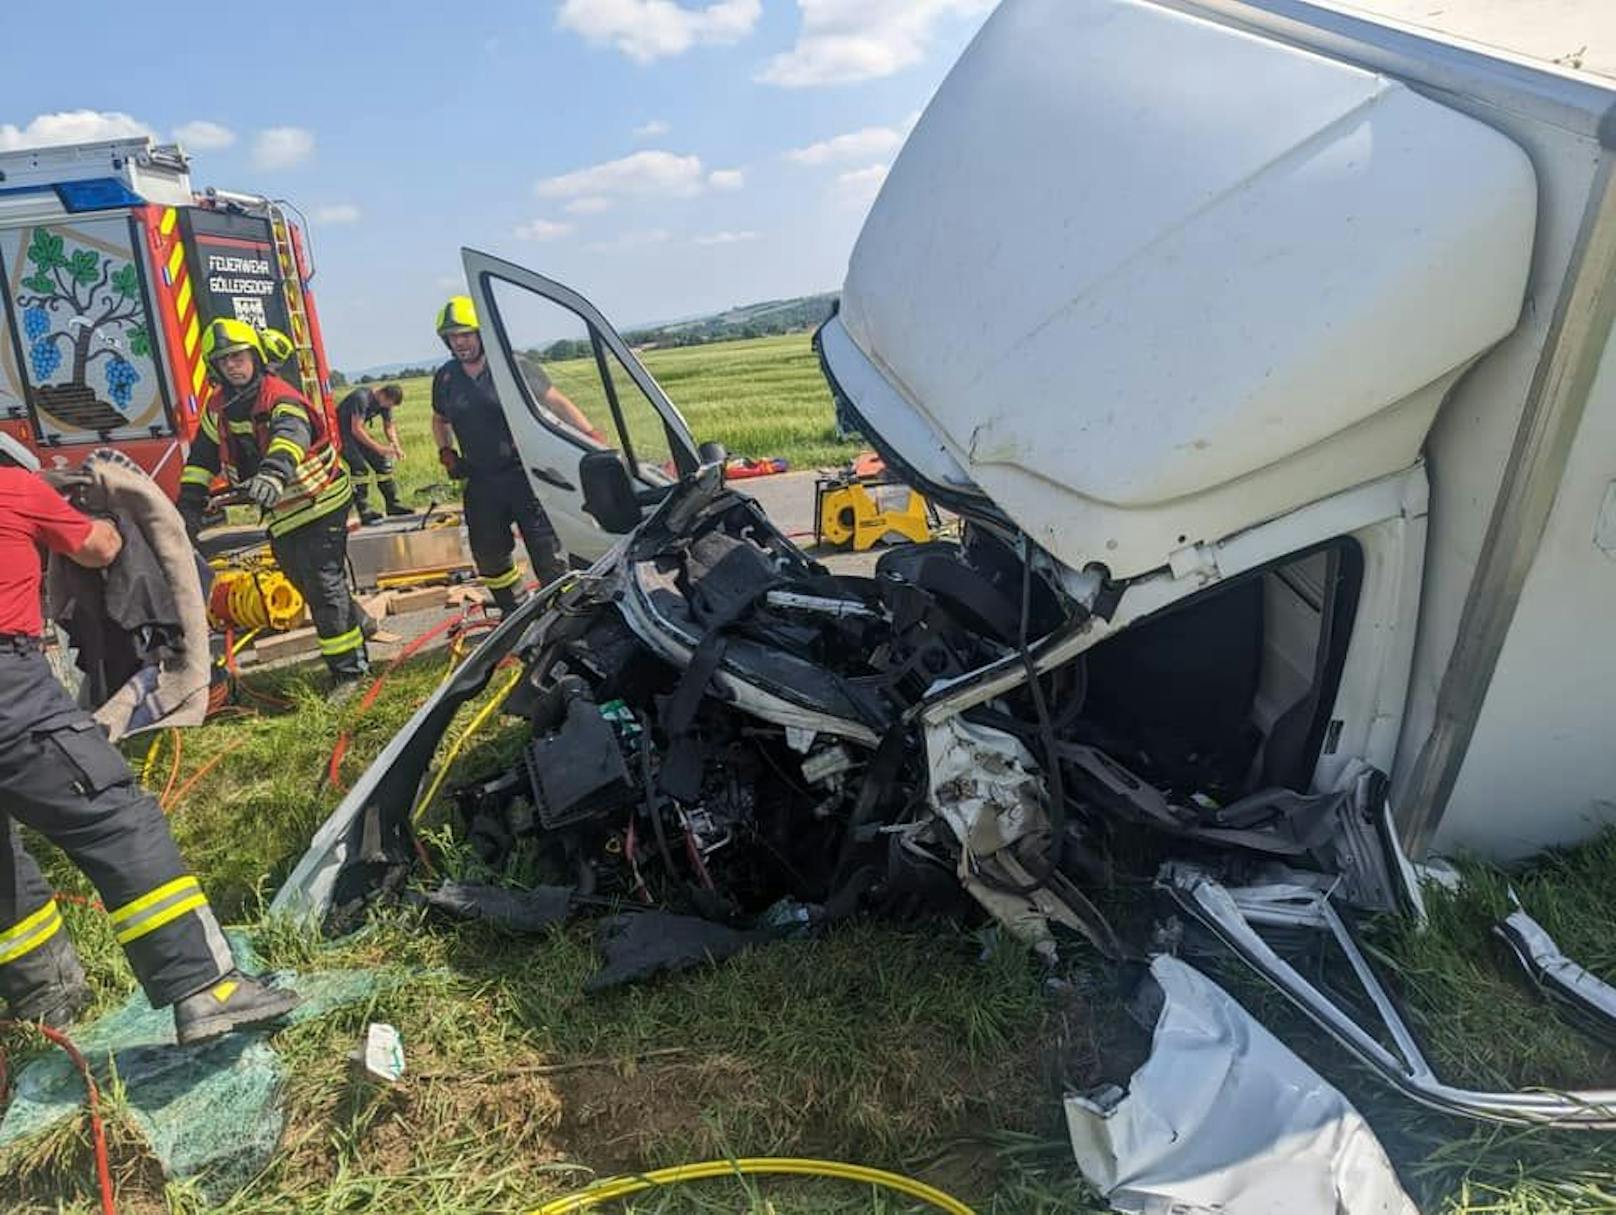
459	315
277	346
226	335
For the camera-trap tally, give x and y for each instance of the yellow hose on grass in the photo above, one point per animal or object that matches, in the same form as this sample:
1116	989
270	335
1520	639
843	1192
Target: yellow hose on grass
476	723
755	1166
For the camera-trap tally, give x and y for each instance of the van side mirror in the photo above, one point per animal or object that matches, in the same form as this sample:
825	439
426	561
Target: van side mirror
608	492
713	452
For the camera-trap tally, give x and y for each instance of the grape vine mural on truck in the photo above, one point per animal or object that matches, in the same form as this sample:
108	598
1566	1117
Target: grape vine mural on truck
84	328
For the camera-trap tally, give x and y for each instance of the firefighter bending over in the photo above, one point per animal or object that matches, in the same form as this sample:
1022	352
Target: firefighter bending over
466	409
61	777
364	454
266	438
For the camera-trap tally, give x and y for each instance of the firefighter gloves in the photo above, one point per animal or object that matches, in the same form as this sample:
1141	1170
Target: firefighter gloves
266	489
452	463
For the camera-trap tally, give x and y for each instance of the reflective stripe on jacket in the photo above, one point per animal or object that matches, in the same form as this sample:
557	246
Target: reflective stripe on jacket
281	431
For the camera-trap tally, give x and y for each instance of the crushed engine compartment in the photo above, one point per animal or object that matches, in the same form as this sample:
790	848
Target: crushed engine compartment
776	767
721	728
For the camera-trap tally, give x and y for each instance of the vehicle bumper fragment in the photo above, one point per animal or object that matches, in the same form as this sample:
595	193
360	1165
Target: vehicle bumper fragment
1223	1118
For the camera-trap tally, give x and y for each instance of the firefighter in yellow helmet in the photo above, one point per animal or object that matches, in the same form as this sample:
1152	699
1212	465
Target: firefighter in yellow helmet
270	442
278	349
466	411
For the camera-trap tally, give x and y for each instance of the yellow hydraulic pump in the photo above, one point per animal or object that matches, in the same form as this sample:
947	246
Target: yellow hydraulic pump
864	508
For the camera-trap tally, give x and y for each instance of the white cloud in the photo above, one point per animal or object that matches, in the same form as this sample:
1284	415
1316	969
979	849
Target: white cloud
70	126
646	30
726	179
543	229
855	145
200	135
645	173
631	240
337	213
858	187
451	282
843	41
725	238
650	130
282	147
589	204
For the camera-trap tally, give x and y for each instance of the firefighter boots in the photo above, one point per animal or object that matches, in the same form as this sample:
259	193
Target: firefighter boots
233	1002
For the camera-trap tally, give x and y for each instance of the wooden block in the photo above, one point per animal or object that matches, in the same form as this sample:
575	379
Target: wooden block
466	595
422	600
286	645
385	637
375	606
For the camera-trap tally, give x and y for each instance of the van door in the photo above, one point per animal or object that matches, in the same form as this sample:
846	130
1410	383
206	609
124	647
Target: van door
571	386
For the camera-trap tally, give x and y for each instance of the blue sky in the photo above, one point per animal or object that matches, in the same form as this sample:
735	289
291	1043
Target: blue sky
664	157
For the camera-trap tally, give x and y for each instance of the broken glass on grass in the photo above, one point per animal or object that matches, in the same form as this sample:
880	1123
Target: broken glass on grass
211	1112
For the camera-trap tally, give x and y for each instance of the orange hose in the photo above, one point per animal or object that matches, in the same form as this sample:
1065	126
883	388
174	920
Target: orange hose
173	768
190	783
78	900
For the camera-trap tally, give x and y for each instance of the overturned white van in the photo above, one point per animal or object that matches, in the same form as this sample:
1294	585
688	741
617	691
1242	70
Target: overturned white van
1262	350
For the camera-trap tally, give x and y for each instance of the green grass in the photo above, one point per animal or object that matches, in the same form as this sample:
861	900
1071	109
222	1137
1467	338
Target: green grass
761	397
898	1047
920	1048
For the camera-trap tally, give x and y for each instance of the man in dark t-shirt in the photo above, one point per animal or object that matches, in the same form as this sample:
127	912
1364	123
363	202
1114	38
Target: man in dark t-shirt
466	411
364	454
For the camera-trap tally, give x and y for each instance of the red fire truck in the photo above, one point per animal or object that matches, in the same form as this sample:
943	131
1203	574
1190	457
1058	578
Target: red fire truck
112	265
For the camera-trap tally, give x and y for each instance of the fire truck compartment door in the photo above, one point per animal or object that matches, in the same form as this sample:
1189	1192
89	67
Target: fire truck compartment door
562	372
81	359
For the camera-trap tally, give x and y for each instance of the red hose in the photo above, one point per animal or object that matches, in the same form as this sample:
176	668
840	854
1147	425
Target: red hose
78	900
333	767
98	1132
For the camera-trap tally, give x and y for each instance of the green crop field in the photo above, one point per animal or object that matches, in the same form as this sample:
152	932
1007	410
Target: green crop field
761	397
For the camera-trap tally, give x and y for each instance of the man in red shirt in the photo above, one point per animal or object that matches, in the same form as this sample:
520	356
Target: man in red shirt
61	777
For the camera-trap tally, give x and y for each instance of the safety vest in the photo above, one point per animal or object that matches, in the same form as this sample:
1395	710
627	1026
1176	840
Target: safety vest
319	482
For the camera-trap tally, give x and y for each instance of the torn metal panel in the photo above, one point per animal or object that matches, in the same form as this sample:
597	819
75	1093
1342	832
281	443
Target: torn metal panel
1234	917
984	785
1223	1118
1588	998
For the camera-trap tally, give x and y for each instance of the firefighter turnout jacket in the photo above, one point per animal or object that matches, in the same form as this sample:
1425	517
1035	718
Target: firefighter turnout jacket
268	425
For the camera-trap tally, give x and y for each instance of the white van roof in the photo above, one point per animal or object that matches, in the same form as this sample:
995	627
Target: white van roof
1146	280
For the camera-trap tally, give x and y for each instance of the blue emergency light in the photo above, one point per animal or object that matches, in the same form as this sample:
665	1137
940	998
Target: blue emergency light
96	194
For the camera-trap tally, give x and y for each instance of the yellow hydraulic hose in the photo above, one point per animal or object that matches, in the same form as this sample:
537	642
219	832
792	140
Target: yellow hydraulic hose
476	723
150	762
621	1187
